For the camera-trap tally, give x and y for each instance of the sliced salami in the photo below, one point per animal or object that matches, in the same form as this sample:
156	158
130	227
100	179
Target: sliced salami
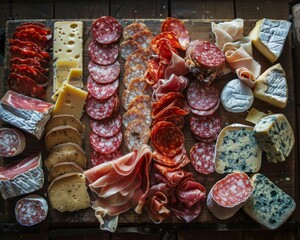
174	161
132	29
41	41
202	157
144	38
33	27
206	112
138	85
202	97
106	30
136	134
142	103
101	91
130	74
100	109
103	54
106	145
104	74
107	127
128	47
30	62
138	57
99	158
31	210
167	138
176	119
131	115
168	111
206	127
12	142
127	97
16	52
170	36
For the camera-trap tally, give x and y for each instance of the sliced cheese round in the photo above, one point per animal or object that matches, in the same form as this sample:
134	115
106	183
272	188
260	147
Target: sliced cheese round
64	120
236	96
60	169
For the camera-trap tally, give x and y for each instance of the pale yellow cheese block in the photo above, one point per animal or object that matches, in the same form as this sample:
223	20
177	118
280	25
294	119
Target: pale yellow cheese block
254	115
62	168
75	77
69	193
64	120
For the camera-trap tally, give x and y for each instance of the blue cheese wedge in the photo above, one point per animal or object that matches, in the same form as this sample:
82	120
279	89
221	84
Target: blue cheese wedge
237	150
268	205
269	35
271	87
236	96
275	136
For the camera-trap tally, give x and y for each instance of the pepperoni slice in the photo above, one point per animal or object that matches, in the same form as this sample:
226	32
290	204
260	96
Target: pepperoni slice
107	127
171	36
144	38
26	86
100	109
136	134
128	47
101	91
174	161
156	70
31	62
104	74
202	97
206	112
164	50
12	142
99	158
41	41
131	115
132	73
177	26
132	29
34	74
106	30
103	54
202	157
106	145
167	138
16	52
33	27
139	56
177	120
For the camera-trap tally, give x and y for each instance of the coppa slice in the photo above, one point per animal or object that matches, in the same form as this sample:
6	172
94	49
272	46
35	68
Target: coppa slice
12	142
107	127
103	54
104	74
202	157
101	91
106	145
99	158
128	47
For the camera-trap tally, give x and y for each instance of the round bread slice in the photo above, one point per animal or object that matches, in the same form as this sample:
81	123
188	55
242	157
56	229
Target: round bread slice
64	120
62	168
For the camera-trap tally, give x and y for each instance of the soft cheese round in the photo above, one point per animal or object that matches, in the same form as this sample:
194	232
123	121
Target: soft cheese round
236	96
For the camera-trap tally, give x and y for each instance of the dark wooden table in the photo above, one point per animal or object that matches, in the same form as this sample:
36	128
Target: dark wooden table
131	9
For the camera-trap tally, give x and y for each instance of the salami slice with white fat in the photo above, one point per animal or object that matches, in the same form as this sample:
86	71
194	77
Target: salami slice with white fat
101	91
107	127
128	47
138	57
12	142
104	74
206	112
103	54
132	29
142	103
100	109
106	145
106	30
138	71
202	157
99	158
131	115
229	194
144	38
31	210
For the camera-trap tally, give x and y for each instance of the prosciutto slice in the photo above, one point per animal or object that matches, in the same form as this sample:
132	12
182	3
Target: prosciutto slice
176	66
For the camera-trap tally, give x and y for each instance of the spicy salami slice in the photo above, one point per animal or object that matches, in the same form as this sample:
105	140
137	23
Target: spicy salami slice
176	119
174	161
106	30
33	27
128	47
12	142
131	115
202	157
101	91
202	97
107	127
41	41
132	29
142	103
104	74
132	73
100	109
170	36
144	38
136	134
99	158
30	62
177	26
206	126
103	54
167	138
31	210
106	145
164	50
16	52
138	57
206	112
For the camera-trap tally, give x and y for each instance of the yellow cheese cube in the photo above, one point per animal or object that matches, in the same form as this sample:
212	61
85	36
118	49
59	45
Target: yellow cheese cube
75	77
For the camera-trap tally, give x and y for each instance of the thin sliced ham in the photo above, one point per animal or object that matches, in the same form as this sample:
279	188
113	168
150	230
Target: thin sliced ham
244	42
176	66
156	207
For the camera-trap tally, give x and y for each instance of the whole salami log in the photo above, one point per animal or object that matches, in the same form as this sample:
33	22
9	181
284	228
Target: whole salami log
229	194
12	142
31	210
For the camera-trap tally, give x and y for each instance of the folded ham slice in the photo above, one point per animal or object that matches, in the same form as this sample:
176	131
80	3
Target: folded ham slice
176	66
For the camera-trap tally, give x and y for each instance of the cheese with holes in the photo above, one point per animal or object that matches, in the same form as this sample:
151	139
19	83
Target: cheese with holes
269	35
275	136
69	193
71	101
237	150
268	205
271	87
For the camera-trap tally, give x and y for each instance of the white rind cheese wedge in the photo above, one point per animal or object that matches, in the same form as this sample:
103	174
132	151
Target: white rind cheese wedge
268	205
237	150
271	87
269	35
275	136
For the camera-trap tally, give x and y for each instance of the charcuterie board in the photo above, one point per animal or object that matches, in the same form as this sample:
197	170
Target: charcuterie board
283	174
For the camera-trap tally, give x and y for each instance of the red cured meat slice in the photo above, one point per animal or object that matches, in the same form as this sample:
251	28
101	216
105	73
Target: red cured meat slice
107	127
103	54
138	57
132	29
131	115
41	25
179	160
206	112
100	109
128	47
106	30
34	27
104	74
167	138
34	74
16	52
164	50
143	38
137	71
206	126
41	41
30	62
25	85
12	142
172	175
188	214
99	158
202	157
31	210
166	100
171	36
106	145
155	71
202	97
101	91
178	120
